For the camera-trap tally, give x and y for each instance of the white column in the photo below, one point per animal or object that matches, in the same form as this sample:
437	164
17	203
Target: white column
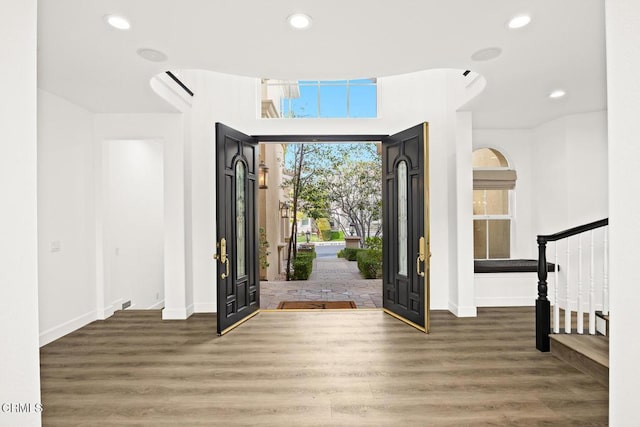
19	355
623	87
465	303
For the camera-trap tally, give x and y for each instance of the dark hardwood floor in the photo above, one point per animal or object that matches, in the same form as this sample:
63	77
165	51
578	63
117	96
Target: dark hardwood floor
314	368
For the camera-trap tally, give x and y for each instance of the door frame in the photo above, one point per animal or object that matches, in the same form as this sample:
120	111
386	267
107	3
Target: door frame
372	138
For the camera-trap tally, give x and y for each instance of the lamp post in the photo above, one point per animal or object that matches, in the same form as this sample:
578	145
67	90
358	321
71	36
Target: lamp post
352	229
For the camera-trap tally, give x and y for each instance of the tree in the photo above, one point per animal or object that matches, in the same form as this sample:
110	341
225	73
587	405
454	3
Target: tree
303	160
353	180
356	195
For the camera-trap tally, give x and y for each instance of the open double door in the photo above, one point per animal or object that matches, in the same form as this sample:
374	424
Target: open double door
405	285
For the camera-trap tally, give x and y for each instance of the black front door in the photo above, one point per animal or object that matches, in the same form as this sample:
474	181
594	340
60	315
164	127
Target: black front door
405	200
237	229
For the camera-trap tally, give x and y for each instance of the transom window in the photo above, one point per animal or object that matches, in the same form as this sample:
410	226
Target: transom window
493	184
319	98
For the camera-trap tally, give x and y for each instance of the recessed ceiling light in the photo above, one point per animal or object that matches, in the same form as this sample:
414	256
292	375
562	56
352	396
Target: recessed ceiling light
486	54
117	21
559	93
152	55
299	21
519	21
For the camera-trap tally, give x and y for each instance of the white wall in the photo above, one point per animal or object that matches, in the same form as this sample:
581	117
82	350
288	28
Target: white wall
134	223
587	149
19	356
623	62
167	128
66	242
569	155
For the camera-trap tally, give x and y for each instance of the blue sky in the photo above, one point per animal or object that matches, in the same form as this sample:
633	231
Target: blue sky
333	99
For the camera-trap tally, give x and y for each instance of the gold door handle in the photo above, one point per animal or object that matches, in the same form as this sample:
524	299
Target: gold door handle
421	257
222	257
226	273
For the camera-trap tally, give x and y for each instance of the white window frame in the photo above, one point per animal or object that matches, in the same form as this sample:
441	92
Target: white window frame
294	87
507	217
511	206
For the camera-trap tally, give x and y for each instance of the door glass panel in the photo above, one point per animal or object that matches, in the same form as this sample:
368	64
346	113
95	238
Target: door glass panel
403	209
240	220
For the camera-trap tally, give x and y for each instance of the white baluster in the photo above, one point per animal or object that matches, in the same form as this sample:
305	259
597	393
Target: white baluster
579	314
592	290
567	307
605	278
556	306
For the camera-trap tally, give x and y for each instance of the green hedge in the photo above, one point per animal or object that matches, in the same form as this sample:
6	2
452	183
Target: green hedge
337	235
370	263
350	254
305	249
373	243
332	235
303	263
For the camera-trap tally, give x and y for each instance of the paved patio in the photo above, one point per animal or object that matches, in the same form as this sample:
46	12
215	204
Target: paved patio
332	279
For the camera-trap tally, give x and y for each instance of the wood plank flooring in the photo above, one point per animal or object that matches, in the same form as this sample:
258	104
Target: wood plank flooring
322	368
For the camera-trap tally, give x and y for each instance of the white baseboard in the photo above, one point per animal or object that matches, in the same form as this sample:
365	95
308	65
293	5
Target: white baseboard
157	306
106	312
177	313
117	304
205	307
505	301
457	311
65	328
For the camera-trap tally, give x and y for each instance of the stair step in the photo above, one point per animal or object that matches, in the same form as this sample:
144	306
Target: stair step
588	353
602	323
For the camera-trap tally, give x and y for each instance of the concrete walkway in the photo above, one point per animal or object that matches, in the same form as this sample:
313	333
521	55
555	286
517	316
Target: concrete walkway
332	279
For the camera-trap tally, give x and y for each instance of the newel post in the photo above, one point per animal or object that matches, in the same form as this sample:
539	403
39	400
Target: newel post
543	306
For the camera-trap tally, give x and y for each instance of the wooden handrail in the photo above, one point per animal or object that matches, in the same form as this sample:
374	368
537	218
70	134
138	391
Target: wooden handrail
543	305
575	230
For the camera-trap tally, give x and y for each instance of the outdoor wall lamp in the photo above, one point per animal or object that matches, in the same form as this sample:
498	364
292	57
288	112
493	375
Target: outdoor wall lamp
263	175
284	210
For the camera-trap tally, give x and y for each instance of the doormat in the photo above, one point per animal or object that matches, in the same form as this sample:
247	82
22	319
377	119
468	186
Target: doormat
322	305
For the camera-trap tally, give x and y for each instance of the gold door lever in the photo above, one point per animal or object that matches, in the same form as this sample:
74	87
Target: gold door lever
421	256
222	257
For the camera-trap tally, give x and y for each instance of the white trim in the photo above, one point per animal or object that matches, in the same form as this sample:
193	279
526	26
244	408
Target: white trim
65	328
157	306
117	304
505	301
177	313
204	307
106	312
457	311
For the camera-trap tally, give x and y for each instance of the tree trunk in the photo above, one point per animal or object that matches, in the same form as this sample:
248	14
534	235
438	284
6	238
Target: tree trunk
293	246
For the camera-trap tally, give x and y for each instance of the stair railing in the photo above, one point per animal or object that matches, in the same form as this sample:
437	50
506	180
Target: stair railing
543	305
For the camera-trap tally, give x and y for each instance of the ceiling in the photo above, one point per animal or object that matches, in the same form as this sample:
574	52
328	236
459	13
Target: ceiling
95	66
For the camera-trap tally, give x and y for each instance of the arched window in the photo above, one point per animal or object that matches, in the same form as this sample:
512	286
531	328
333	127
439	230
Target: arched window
493	184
